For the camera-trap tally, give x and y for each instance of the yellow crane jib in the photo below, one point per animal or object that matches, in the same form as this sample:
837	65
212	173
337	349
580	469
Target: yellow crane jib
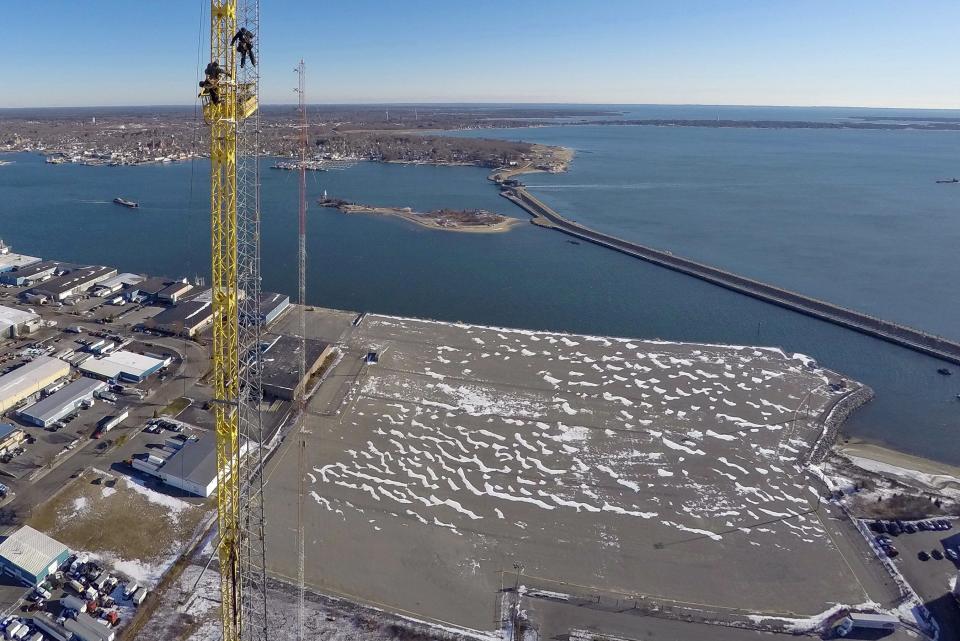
225	104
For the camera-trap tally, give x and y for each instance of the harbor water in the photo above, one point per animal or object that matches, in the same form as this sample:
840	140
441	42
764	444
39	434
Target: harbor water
853	217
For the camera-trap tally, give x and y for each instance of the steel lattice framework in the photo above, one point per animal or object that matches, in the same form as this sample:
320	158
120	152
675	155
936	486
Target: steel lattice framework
302	364
235	249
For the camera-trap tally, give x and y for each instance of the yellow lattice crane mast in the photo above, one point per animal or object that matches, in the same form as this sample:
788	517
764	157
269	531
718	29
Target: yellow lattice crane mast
228	102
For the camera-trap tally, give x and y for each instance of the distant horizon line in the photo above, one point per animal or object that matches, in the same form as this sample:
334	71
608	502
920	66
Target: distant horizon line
498	103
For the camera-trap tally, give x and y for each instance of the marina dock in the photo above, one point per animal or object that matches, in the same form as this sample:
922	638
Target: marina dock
902	335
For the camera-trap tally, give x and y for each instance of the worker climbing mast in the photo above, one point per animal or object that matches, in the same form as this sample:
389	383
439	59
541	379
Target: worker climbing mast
230	107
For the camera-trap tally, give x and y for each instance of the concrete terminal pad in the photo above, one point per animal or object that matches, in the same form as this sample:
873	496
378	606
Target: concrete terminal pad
624	466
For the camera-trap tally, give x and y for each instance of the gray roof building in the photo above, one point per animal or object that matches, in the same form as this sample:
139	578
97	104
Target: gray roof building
191	466
185	319
56	406
281	364
31	555
32	273
74	282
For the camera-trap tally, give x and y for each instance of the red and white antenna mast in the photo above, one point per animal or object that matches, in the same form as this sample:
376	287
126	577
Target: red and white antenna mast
302	307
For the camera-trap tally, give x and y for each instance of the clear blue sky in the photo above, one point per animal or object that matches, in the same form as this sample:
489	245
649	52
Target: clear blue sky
772	52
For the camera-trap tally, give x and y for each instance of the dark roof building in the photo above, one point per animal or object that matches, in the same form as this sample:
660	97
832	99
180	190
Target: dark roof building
281	365
72	283
186	319
32	273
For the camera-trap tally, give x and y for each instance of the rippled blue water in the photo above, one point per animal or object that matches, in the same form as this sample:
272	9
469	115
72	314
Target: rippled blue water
853	217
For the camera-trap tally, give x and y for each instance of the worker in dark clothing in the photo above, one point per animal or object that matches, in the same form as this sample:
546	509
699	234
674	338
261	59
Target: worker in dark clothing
209	88
244	41
214	71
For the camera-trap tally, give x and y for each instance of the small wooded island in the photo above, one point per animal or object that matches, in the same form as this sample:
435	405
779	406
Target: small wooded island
465	220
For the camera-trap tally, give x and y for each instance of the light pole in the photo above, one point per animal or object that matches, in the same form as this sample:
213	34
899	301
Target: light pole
515	615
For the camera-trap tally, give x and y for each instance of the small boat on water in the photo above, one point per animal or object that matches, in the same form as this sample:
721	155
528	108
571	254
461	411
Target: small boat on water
125	202
944	371
948	181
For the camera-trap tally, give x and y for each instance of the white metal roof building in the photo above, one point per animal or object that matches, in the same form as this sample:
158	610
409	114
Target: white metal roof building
123	365
118	282
30	379
9	262
191	468
14	322
30	555
59	404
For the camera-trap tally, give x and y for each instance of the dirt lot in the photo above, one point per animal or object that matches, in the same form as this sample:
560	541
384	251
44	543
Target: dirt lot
672	472
139	530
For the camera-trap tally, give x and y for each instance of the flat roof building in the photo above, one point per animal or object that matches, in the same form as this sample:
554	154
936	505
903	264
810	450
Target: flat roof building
29	379
123	366
186	319
73	283
54	407
281	365
191	466
10	437
14	322
151	287
272	306
173	292
115	284
31	274
11	261
30	556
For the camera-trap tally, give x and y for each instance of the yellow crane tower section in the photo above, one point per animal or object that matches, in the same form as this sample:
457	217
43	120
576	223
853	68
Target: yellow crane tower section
234	104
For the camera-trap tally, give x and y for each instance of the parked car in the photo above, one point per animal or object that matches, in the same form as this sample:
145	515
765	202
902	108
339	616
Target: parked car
952	555
909	528
923	556
937	554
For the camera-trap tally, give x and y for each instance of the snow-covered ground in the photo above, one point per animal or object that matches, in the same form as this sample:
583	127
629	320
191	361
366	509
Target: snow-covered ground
621	463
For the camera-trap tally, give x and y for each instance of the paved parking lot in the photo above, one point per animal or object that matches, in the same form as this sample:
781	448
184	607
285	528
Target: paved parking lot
931	578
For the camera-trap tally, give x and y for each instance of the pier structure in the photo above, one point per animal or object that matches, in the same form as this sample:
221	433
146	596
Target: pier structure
914	339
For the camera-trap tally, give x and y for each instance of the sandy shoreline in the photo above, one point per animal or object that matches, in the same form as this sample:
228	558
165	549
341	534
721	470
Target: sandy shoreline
422	220
889	457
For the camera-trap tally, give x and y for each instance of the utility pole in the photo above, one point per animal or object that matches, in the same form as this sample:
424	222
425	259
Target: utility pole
515	615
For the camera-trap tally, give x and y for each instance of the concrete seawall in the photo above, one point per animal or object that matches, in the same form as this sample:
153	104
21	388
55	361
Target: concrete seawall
902	335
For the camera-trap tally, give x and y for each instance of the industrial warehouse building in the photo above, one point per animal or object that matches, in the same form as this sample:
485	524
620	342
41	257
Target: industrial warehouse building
271	307
281	365
73	283
29	555
11	436
27	380
114	285
54	407
161	290
17	322
188	464
123	366
10	261
185	319
31	274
